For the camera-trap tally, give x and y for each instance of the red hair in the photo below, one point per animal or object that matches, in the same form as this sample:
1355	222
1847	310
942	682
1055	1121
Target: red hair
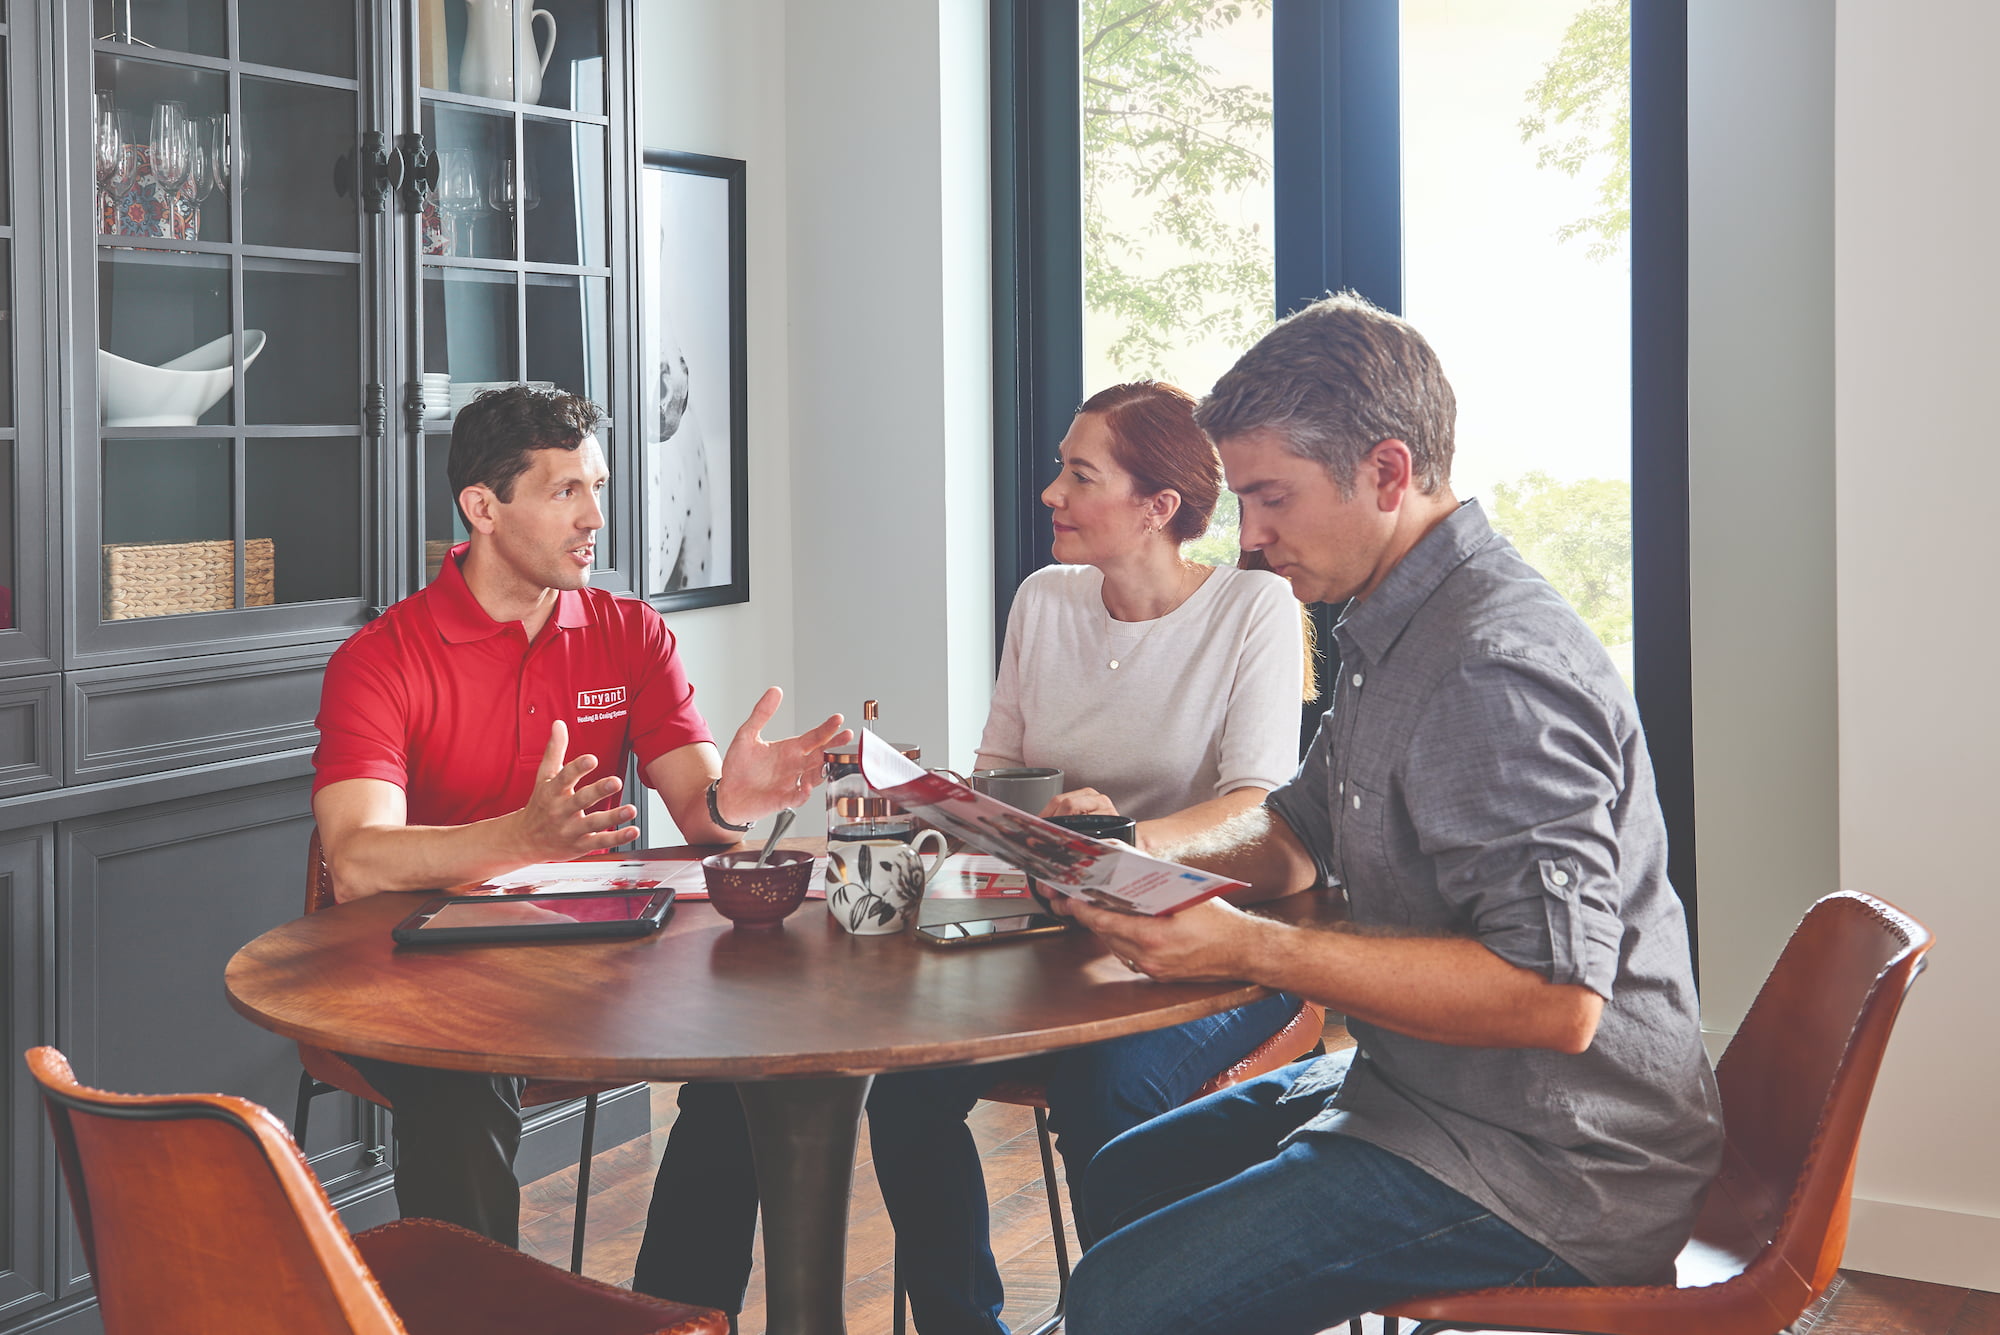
1154	438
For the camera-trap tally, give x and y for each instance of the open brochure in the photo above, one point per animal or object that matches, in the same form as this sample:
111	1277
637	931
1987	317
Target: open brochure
1110	875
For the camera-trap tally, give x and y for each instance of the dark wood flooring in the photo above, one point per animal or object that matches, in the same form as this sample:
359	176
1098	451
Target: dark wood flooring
622	1183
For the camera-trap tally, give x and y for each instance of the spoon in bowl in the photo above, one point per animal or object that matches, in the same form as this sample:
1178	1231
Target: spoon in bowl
778	828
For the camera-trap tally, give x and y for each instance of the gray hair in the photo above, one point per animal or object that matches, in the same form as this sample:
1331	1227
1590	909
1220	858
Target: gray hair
1334	380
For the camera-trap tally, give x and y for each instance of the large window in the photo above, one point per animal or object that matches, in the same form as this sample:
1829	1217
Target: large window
1172	175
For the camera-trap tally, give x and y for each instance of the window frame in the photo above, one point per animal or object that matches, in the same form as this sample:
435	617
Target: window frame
1338	224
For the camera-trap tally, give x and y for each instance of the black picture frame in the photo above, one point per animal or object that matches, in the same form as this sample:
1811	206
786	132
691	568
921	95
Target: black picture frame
693	442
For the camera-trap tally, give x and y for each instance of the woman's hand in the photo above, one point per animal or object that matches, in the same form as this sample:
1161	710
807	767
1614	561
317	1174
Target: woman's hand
1079	802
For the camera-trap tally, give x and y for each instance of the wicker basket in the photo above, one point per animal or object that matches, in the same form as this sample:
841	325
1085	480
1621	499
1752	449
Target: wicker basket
157	579
435	550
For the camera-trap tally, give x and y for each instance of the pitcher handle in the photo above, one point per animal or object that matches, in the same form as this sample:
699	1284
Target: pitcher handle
550	49
942	851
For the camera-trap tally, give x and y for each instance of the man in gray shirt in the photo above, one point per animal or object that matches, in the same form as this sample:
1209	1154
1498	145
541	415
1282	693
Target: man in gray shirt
1529	1102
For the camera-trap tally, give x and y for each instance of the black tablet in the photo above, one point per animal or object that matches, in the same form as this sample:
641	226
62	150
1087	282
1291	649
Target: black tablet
556	917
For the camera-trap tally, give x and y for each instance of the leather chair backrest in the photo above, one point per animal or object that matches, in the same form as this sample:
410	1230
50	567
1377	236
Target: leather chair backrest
197	1214
1795	1083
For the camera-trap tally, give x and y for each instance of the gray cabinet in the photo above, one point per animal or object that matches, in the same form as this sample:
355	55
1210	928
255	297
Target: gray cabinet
239	304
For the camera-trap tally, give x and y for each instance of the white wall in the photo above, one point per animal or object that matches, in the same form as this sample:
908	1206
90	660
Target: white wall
1760	406
1840	350
865	131
711	80
891	364
1916	352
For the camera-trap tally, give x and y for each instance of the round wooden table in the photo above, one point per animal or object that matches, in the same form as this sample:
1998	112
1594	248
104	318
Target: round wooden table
802	1016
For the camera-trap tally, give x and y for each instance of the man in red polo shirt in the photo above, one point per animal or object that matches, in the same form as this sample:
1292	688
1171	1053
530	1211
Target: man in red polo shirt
483	723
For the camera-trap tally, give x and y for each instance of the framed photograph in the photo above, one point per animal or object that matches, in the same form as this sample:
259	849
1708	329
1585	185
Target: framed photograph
694	449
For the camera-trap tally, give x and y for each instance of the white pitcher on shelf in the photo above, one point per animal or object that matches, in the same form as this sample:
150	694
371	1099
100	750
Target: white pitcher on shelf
486	67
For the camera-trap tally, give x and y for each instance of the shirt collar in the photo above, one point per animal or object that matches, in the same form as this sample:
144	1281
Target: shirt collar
460	618
1377	621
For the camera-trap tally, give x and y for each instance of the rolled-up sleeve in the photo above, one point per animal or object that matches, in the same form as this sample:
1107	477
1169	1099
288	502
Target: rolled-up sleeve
1510	780
1302	803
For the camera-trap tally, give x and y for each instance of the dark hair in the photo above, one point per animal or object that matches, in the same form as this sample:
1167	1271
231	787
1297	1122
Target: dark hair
1334	380
1154	438
496	432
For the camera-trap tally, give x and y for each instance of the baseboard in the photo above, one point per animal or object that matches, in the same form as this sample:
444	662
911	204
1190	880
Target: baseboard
1920	1242
551	1136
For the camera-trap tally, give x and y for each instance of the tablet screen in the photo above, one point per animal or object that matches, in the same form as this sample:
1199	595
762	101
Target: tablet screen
544	911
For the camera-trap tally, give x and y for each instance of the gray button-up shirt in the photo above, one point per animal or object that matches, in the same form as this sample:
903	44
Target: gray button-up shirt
1482	773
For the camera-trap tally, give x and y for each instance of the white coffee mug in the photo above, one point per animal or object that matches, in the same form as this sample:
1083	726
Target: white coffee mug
873	886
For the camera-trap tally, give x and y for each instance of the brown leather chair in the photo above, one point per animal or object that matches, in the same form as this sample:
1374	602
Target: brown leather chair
199	1215
1301	1035
1795	1083
327	1071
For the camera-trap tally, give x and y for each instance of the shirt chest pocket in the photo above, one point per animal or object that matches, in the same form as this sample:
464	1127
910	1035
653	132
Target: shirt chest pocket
1371	863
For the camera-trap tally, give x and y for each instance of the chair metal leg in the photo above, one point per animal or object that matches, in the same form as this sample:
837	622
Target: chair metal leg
309	1089
583	1184
1054	1190
902	1300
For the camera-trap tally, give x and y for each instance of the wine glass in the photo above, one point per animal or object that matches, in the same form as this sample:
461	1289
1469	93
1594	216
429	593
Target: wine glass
169	145
458	194
503	191
113	159
201	175
215	149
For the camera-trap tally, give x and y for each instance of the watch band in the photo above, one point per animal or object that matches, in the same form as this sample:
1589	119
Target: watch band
715	812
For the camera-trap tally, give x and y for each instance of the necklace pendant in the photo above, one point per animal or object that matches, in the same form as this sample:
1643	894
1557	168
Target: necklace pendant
1114	665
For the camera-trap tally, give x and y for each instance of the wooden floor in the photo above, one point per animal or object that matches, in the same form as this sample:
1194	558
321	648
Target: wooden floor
622	1182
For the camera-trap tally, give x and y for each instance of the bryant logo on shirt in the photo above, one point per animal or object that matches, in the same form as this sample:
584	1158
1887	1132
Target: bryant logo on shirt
594	706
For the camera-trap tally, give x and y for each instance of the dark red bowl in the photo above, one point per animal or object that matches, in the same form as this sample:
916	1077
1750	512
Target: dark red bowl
752	896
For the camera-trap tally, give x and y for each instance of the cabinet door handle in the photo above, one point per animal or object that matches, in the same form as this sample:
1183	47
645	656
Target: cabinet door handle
419	170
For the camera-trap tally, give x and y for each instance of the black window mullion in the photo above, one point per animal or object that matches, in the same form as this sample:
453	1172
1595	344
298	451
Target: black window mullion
1038	271
1662	666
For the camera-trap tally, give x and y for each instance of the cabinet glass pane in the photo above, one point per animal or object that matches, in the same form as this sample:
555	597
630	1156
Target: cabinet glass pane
315	35
6	535
476	185
575	76
167	547
309	371
6	346
298	177
200	26
443	526
304	494
6	203
159	137
163	327
568	334
470	331
563	189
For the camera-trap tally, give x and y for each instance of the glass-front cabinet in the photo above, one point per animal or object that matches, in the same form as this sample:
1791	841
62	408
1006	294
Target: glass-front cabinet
224	469
514	241
26	641
316	230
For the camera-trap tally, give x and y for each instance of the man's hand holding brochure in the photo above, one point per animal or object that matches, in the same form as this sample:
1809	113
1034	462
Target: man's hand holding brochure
1110	875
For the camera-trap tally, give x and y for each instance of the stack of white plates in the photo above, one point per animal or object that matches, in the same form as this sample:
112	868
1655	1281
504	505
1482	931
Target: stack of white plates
436	393
463	392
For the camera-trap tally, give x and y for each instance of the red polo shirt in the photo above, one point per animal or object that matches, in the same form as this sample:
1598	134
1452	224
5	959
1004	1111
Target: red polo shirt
454	707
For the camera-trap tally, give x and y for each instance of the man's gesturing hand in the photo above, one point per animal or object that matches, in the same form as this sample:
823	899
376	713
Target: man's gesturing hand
557	823
760	777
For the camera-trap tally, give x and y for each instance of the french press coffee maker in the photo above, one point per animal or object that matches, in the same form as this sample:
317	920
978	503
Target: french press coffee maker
853	809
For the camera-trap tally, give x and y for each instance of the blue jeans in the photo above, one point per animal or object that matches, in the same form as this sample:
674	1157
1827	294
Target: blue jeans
702	1223
928	1166
1209	1228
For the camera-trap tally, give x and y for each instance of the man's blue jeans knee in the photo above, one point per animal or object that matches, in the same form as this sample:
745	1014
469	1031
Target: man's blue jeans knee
1210	1229
928	1166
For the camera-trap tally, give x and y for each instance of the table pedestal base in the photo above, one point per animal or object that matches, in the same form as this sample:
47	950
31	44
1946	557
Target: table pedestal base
802	1133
